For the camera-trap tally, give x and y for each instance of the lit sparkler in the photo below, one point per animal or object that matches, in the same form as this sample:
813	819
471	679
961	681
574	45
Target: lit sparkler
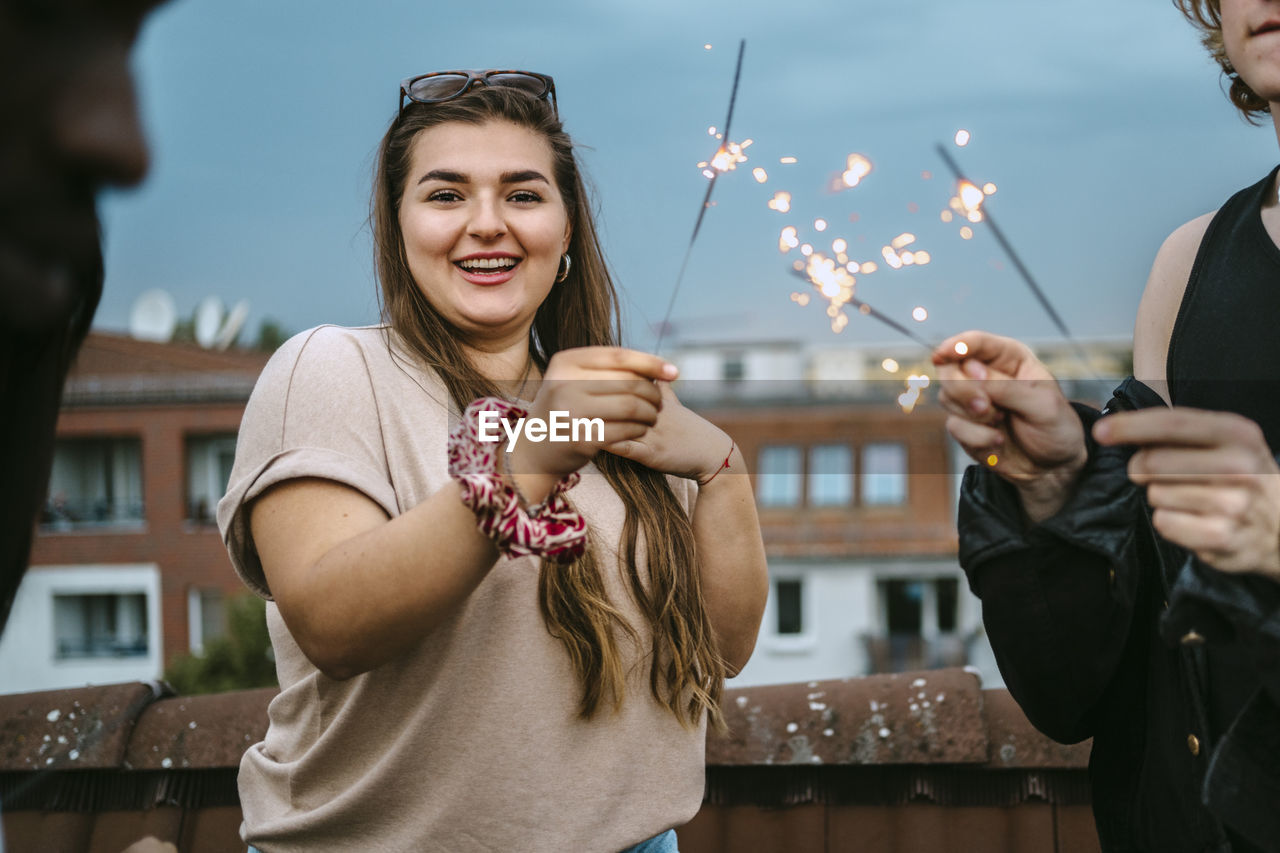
977	196
706	199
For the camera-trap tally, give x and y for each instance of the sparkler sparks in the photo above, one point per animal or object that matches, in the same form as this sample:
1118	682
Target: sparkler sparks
786	160
857	167
962	137
780	202
706	199
889	365
919	314
915	384
760	175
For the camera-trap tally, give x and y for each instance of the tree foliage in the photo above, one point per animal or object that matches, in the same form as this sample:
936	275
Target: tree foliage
241	659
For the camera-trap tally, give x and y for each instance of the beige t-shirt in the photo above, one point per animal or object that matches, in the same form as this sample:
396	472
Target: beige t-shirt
471	742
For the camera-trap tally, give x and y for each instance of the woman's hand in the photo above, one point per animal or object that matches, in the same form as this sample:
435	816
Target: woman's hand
1006	410
1212	481
613	384
680	442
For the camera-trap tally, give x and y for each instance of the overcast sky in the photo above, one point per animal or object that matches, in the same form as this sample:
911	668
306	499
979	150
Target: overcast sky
1102	124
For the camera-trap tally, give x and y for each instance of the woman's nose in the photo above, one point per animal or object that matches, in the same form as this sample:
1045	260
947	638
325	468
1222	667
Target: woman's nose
96	128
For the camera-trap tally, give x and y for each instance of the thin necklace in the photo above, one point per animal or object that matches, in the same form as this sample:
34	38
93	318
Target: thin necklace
524	380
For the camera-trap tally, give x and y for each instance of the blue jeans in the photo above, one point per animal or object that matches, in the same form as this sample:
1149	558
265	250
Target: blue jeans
662	843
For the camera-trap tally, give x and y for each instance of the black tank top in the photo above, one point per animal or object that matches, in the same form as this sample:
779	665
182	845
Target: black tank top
1224	353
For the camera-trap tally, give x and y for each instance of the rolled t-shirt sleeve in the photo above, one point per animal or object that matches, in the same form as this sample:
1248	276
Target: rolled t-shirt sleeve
313	413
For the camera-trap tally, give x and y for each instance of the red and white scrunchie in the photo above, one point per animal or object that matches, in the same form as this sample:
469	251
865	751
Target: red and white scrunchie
552	530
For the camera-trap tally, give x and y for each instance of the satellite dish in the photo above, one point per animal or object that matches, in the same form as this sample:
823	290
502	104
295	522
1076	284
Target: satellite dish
235	322
153	317
208	321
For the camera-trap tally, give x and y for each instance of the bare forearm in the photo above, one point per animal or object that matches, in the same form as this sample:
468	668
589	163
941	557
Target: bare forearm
373	596
735	579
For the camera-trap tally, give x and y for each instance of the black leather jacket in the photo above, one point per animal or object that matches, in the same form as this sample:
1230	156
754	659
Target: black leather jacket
1103	629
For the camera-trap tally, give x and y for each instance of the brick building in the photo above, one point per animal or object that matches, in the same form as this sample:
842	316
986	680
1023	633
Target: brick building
128	569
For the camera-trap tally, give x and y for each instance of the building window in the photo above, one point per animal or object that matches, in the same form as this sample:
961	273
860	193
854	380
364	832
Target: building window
209	461
100	625
790	606
733	368
778	480
884	474
920	616
95	481
206	617
830	475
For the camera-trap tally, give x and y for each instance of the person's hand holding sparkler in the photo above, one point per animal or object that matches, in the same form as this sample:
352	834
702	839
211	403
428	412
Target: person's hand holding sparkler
680	443
1212	481
1007	412
610	383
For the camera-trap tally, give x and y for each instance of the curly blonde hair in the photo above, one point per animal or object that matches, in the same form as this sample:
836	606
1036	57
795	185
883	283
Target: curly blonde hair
1206	15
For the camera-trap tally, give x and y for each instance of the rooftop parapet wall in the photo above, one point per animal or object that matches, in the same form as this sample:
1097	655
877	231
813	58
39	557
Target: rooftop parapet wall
929	760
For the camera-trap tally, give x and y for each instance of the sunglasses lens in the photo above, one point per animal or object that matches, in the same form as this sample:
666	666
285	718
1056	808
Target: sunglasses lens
438	87
533	85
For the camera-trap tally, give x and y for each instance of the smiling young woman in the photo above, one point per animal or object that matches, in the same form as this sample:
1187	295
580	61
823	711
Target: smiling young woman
483	648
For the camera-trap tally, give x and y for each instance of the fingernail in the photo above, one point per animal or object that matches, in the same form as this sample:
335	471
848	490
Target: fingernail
979	404
670	371
975	369
1101	430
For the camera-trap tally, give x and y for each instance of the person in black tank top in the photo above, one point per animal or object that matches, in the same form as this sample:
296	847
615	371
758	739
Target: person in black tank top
1129	560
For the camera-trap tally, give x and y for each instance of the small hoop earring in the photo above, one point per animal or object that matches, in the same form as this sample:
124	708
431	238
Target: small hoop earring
568	264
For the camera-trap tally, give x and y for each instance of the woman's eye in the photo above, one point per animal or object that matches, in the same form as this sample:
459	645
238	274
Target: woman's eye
525	196
444	195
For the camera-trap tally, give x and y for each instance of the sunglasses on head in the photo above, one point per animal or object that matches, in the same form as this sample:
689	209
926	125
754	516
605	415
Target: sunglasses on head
440	86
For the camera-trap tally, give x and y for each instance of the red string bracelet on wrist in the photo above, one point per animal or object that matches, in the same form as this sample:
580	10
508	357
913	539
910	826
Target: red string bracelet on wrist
733	445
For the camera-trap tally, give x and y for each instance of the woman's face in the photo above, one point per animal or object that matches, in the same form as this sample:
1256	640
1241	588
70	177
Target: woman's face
484	226
1251	35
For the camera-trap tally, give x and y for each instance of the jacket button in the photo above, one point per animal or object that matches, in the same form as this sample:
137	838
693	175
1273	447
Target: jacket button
1193	744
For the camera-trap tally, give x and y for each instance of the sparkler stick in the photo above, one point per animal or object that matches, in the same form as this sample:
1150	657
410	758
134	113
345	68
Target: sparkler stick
1021	267
864	308
706	202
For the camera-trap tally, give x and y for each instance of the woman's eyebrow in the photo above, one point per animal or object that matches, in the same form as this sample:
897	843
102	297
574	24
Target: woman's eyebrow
446	175
522	176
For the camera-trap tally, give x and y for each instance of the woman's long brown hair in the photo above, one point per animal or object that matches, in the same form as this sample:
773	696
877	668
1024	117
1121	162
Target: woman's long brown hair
686	672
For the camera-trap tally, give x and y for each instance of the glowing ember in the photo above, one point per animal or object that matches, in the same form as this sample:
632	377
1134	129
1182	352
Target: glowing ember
729	156
788	239
869	267
819	225
780	202
806	250
993	460
838	245
801	299
706	47
922	257
962	348
966	233
889	365
947	216
857	167
919	314
915	384
711	131
962	137
891	257
760	175
989	188
786	159
970	196
904	239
